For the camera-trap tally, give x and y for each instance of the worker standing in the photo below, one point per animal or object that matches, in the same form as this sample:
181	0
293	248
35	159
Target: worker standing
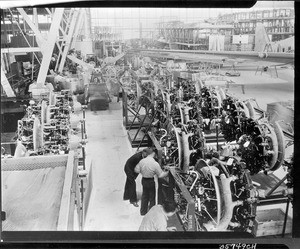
157	217
130	185
148	167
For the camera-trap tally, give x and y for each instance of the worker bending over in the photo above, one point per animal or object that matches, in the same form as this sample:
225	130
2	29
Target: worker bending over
130	185
157	217
148	167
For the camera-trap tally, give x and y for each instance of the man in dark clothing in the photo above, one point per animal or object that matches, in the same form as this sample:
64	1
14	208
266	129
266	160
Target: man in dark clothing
130	185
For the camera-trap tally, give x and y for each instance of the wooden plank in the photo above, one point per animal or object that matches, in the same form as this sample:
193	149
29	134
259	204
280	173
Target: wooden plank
88	191
270	222
65	204
72	213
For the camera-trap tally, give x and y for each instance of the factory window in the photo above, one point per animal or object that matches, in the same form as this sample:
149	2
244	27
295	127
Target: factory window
252	15
265	14
288	13
259	15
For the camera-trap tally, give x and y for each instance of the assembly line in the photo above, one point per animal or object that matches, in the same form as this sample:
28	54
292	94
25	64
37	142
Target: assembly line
144	138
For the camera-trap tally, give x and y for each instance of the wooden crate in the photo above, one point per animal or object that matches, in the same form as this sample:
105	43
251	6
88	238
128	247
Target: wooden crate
270	222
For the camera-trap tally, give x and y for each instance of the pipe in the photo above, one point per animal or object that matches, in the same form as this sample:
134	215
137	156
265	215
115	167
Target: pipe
228	203
186	150
277	185
161	129
197	177
285	218
186	114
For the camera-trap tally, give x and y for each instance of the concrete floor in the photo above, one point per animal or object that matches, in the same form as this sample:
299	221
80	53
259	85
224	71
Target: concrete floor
109	148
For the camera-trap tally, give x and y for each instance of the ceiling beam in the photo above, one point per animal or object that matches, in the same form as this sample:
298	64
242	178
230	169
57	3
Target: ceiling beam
49	45
40	40
21	50
78	27
6	85
68	41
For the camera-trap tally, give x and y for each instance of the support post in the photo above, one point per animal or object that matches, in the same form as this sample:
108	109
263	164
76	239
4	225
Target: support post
68	41
277	185
6	85
39	38
78	27
47	53
285	217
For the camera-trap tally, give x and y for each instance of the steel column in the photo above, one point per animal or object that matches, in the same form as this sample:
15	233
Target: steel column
68	41
35	17
78	27
49	46
6	85
39	38
79	62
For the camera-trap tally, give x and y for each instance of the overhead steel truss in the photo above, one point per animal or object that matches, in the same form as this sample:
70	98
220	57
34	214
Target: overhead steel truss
64	29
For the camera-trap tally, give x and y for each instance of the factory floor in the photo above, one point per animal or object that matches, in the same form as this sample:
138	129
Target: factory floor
108	149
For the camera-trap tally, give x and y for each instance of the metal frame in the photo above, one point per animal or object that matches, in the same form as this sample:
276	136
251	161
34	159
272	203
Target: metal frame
126	110
20	50
48	48
143	123
190	202
6	85
63	29
40	40
68	41
78	61
78	27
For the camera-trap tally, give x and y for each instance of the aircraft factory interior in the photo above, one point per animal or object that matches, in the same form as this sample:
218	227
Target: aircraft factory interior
148	119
